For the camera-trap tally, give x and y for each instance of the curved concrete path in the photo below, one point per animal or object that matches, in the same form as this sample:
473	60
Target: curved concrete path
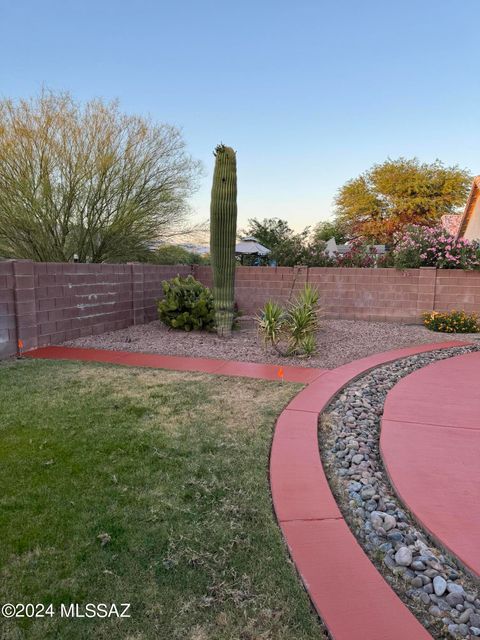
430	443
349	594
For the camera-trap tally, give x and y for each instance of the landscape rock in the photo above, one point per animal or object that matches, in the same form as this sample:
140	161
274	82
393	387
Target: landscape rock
403	557
439	585
464	616
454	599
452	587
351	449
475	619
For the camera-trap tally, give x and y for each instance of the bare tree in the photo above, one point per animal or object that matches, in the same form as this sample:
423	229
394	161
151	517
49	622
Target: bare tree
88	180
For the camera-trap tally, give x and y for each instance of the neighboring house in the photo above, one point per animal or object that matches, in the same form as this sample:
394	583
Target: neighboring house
469	227
332	248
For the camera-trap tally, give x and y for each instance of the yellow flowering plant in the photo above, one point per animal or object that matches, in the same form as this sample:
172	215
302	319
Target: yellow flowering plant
451	322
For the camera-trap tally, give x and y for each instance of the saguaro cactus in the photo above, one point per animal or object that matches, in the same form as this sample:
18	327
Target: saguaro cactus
223	230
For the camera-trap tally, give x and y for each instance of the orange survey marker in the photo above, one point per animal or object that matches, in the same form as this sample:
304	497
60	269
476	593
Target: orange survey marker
280	373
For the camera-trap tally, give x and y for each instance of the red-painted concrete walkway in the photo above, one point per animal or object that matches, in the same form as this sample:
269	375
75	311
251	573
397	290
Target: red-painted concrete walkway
178	363
352	598
430	443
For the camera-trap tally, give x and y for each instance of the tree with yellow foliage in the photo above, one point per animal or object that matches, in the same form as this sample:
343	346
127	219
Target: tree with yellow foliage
397	193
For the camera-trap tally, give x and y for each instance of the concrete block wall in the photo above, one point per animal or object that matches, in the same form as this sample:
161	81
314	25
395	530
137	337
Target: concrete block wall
456	289
74	300
355	294
8	332
45	303
49	303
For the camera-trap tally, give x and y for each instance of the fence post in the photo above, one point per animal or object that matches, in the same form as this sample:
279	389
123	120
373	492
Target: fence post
25	304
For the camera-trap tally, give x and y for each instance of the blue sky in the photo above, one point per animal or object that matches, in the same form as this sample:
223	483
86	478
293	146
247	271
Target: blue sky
309	93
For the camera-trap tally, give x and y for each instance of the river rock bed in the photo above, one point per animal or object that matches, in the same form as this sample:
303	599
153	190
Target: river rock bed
443	596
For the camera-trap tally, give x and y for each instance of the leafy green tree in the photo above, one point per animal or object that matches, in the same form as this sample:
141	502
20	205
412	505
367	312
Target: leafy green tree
290	251
329	229
383	200
270	231
88	180
287	247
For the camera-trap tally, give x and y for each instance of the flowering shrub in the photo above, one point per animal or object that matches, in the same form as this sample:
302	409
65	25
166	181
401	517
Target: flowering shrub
453	322
358	255
421	246
386	260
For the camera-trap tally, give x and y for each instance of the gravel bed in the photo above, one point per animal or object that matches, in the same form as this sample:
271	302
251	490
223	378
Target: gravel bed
339	341
440	593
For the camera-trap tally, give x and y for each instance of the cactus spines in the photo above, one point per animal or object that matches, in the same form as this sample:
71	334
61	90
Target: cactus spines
223	231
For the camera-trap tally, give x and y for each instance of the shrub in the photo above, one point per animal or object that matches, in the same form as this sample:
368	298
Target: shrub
315	255
434	247
359	254
291	331
385	260
187	304
301	319
452	322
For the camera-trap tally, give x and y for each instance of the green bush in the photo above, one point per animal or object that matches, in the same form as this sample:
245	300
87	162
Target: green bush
452	322
291	331
301	322
187	304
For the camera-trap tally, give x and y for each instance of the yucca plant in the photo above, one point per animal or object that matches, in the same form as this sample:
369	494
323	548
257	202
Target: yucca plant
309	296
291	332
270	323
309	344
301	320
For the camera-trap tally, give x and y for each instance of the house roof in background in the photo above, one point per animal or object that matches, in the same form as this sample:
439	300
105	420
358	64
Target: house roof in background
332	248
469	207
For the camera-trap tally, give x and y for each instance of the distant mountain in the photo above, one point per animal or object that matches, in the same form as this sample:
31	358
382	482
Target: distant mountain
195	248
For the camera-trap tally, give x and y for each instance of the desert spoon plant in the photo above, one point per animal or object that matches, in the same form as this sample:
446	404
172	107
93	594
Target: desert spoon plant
292	331
223	230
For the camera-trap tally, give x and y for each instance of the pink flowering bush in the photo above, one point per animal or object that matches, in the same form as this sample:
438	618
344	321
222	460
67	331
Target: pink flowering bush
419	246
358	255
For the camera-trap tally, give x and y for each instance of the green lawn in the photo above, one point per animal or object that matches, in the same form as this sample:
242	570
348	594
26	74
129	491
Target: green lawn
173	468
